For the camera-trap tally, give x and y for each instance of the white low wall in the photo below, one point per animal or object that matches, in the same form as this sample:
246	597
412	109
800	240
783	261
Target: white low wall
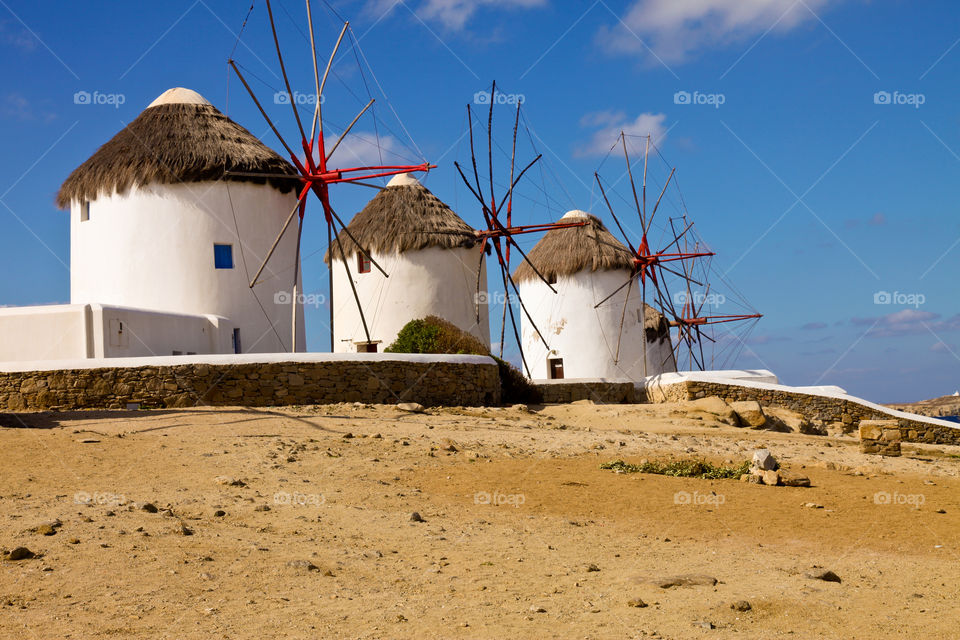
72	332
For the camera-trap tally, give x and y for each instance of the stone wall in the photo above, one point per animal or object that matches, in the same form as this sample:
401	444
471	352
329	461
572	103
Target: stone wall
599	392
826	409
253	384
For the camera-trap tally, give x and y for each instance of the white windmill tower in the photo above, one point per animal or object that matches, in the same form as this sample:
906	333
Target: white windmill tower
584	264
168	215
431	255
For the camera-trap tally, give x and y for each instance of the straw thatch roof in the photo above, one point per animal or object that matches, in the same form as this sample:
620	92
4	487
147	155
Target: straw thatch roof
404	216
179	138
563	252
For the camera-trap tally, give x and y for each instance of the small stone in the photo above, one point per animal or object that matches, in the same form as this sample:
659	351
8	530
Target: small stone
348	436
416	517
21	553
448	445
149	507
592	567
685	580
771	478
796	481
88	441
636	602
752	478
741	605
73	541
46	529
410	407
703	624
219	513
537	609
764	460
823	574
941	510
262	507
184	530
812	505
230	482
304	565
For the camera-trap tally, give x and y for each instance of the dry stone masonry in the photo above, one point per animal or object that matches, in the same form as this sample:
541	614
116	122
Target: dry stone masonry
253	384
835	412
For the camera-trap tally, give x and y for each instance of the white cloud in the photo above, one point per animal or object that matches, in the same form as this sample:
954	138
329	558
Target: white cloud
675	29
612	123
360	149
452	14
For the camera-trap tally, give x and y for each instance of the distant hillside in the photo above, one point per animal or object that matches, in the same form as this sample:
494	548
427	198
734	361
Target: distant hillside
944	406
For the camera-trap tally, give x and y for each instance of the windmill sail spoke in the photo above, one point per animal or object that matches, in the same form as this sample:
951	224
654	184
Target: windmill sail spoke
349	127
283	70
283	230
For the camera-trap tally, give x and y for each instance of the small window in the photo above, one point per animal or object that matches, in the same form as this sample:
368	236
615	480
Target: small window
178	353
84	211
236	340
366	347
363	263
223	256
556	368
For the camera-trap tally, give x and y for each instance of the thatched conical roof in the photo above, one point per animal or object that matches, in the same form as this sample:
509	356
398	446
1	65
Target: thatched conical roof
179	138
564	252
404	216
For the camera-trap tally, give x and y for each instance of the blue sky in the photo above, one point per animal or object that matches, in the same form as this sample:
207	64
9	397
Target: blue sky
825	177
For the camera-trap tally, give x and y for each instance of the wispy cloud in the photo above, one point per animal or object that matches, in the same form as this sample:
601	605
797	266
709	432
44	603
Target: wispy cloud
814	326
942	347
452	14
609	125
907	322
676	30
20	39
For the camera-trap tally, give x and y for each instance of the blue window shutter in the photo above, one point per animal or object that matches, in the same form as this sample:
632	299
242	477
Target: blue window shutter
223	256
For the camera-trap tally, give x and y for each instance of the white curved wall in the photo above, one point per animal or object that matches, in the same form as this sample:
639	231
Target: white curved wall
434	281
584	337
152	248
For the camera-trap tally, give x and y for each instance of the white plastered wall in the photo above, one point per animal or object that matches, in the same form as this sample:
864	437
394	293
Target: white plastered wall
586	337
432	281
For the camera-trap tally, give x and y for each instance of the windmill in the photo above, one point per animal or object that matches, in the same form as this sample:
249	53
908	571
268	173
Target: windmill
674	263
314	168
498	234
693	326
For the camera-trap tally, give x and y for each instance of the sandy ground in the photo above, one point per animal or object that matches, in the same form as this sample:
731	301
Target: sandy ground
315	538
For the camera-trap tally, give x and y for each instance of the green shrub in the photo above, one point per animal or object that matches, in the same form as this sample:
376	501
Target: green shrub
680	468
436	335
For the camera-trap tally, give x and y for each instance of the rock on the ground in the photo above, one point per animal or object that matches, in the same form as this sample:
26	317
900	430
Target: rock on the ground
717	408
410	407
741	605
416	517
823	574
796	481
684	580
229	482
750	412
636	602
21	553
764	460
771	478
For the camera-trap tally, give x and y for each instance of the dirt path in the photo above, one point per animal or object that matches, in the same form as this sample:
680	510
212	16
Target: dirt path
316	537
